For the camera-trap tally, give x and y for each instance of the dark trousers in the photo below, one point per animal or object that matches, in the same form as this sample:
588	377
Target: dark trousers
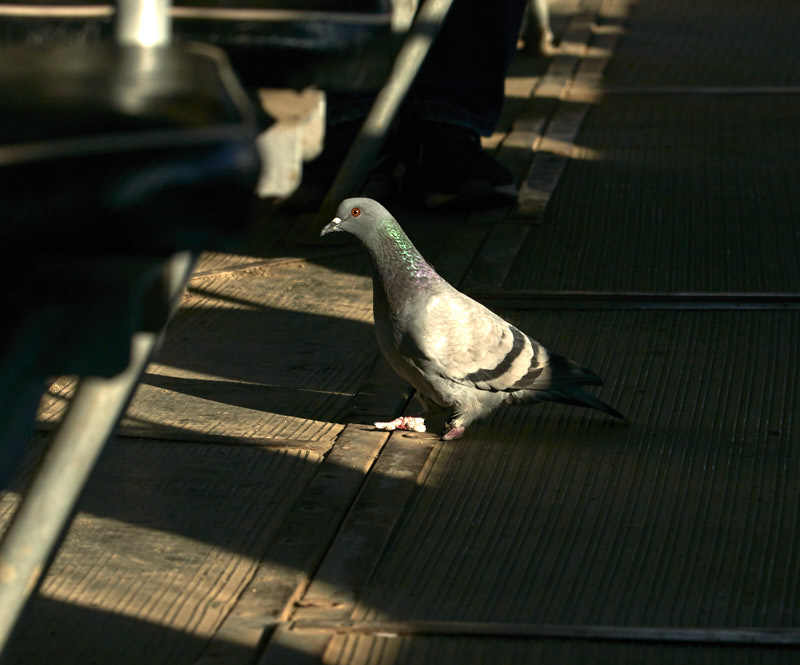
462	79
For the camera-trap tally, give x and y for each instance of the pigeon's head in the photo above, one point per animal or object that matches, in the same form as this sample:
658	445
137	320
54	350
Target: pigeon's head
358	216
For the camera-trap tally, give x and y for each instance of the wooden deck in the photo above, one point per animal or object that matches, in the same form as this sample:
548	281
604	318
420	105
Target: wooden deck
247	512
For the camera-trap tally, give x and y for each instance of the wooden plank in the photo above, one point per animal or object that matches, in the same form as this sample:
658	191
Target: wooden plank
491	265
297	548
358	545
631	300
559	515
218	263
530	127
581	70
273	351
455	263
684	635
369	522
541	142
174	435
553	152
214	263
594	94
688	43
165	539
358	649
678	195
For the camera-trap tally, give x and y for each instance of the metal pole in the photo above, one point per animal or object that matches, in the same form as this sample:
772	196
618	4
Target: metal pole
142	22
370	138
92	415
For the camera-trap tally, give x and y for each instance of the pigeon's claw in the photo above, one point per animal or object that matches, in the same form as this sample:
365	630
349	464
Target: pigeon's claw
414	424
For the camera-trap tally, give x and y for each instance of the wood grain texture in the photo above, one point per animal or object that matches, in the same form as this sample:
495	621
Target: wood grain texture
684	42
643	634
272	351
297	548
498	298
580	61
384	650
686	193
491	265
540	142
165	539
559	515
356	550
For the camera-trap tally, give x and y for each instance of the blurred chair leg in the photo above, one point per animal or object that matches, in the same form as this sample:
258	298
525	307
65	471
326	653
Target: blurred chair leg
48	503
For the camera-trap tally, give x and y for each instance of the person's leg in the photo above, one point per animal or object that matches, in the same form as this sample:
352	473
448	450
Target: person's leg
462	79
535	31
456	97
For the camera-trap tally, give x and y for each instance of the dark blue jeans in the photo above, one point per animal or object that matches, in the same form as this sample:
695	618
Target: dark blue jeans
462	79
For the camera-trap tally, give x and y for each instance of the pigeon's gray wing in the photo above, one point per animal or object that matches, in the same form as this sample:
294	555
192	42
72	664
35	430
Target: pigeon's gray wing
459	339
466	344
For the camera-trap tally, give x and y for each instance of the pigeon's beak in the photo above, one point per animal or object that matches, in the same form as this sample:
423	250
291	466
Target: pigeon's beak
331	226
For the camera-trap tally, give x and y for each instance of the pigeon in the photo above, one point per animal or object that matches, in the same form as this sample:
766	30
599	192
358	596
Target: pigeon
462	359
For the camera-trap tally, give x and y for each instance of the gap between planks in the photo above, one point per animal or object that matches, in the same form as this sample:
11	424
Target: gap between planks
751	636
549	130
299	546
553	139
635	300
357	550
594	94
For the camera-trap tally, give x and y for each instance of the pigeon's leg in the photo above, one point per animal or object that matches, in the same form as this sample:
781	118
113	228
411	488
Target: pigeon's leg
413	423
455	425
454	432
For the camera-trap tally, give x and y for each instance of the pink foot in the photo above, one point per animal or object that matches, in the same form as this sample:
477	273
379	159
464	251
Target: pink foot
453	433
414	424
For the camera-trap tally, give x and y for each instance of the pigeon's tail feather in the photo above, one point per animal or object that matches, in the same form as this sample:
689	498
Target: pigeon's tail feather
578	397
566	371
567	379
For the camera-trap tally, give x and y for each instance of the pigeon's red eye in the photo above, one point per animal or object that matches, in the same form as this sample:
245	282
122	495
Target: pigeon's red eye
355	212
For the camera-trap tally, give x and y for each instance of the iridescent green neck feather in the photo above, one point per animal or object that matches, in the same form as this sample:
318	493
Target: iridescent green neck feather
396	260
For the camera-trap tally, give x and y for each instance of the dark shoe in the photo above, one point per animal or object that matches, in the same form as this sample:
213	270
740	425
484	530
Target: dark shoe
448	168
